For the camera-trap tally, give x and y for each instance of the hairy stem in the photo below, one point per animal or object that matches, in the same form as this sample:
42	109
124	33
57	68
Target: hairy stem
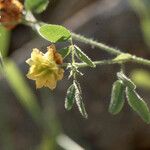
111	62
101	62
96	44
140	60
73	59
109	49
91	42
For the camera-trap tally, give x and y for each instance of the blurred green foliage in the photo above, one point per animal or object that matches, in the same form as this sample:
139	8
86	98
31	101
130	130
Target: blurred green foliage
141	78
142	7
36	6
4	40
21	88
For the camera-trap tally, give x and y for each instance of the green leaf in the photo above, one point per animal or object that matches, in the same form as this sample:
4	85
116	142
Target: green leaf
36	6
83	57
4	40
21	89
138	104
127	82
70	98
117	97
79	100
65	52
54	33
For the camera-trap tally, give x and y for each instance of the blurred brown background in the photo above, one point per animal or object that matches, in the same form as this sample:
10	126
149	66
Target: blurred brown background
113	22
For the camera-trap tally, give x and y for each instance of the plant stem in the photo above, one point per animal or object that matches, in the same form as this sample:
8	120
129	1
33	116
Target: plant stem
122	68
108	49
96	44
140	60
72	52
73	59
111	62
101	62
102	46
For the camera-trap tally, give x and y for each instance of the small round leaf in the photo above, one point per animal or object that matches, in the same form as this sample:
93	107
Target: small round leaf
54	33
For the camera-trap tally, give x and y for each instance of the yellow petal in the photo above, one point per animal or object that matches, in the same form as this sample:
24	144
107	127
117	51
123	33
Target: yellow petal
60	74
36	55
32	73
51	83
49	55
39	83
30	62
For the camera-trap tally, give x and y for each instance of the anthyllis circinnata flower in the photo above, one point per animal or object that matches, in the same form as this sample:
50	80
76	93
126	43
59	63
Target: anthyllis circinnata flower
44	68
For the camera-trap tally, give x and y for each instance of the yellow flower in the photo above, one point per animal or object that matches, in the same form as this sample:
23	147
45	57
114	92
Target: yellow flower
44	68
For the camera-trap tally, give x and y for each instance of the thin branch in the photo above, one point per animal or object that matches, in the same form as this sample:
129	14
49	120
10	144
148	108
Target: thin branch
140	60
102	46
134	59
101	62
91	42
109	49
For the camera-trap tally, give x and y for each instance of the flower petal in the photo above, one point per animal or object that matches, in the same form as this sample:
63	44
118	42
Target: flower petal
44	68
51	82
39	83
